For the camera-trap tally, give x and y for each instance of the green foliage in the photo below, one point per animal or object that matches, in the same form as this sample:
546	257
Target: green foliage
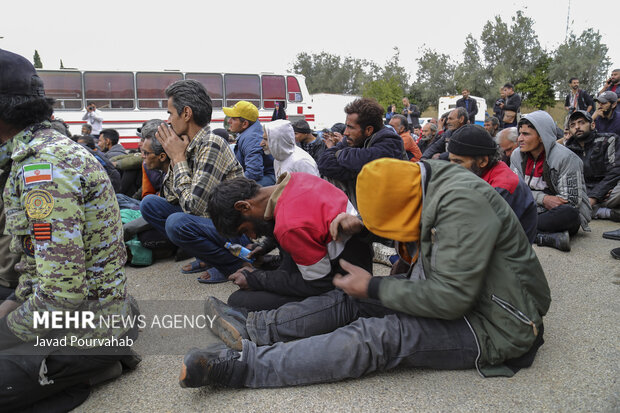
583	57
471	74
537	89
328	73
37	60
393	70
385	91
435	77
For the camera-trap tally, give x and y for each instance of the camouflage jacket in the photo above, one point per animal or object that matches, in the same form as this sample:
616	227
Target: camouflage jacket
62	214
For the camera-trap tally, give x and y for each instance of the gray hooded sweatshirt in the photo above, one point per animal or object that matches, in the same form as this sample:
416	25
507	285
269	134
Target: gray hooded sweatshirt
562	170
288	157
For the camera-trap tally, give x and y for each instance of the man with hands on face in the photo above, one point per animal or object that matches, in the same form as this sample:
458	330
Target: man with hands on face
473	297
199	160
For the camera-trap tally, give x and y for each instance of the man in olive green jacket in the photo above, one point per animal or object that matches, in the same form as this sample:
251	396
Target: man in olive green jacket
474	295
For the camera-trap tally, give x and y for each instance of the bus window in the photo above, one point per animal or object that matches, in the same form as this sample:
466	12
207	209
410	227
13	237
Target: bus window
65	87
109	90
294	91
242	87
274	90
151	89
213	83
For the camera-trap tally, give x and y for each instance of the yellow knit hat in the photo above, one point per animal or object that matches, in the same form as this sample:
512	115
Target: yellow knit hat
389	198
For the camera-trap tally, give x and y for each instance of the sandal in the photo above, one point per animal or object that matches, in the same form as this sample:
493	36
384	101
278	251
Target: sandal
214	277
195	267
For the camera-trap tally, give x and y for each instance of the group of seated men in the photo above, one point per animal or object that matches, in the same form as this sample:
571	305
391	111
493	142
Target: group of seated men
466	291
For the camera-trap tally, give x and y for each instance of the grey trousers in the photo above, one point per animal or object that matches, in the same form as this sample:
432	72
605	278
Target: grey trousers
332	337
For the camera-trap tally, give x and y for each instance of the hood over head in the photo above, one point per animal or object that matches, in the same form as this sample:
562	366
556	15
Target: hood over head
280	138
544	125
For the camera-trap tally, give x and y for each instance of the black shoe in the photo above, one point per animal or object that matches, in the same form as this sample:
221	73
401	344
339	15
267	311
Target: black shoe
615	253
557	240
612	234
229	323
216	364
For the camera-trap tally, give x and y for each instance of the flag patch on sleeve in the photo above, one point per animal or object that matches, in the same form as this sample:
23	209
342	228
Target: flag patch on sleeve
37	172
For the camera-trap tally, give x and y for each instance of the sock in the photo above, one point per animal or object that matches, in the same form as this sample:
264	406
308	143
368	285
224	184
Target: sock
241	356
602	213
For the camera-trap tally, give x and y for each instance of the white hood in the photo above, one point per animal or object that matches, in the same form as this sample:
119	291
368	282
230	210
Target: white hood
280	138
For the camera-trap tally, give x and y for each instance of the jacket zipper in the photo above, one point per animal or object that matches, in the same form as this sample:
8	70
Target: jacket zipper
477	346
515	312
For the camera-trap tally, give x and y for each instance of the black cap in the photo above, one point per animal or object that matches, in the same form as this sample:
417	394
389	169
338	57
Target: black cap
339	127
222	133
471	140
301	126
18	76
580	114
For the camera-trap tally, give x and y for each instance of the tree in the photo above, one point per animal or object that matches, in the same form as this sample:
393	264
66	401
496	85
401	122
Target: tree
330	73
61	65
510	52
385	91
584	57
37	60
471	74
393	70
435	78
537	88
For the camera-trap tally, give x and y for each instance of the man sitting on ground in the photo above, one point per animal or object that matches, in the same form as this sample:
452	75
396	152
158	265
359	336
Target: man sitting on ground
367	139
108	143
474	298
279	141
199	161
256	164
457	118
507	141
491	124
555	176
473	148
607	115
399	123
307	141
600	154
297	212
428	135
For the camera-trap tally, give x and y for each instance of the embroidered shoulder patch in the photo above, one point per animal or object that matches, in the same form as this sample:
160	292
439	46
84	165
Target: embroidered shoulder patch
37	172
39	204
28	246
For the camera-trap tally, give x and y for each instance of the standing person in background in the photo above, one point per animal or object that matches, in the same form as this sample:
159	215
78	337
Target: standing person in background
612	84
94	118
470	105
497	109
512	107
391	111
577	99
278	111
412	113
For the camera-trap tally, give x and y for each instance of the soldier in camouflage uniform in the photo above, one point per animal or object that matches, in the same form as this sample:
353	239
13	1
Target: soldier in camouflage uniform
64	220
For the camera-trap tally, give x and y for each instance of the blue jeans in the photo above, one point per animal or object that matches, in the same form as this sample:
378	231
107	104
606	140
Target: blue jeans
127	202
267	180
196	235
333	337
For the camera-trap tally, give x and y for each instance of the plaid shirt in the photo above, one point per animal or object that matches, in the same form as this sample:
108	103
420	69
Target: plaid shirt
209	162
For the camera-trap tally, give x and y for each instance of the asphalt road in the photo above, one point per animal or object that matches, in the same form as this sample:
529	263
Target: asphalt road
577	369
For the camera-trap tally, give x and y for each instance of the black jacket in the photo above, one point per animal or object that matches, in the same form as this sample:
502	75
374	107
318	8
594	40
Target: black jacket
513	103
601	162
583	100
471	111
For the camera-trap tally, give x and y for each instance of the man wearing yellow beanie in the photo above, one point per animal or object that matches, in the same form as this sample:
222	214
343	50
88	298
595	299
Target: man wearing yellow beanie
474	295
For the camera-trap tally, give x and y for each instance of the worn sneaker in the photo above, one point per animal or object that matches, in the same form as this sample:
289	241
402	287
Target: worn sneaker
382	254
216	364
229	323
557	240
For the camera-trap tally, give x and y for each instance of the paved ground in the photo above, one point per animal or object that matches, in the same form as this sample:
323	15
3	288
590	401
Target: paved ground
576	370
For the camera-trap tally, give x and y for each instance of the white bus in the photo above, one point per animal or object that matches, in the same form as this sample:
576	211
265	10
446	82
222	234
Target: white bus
447	103
127	99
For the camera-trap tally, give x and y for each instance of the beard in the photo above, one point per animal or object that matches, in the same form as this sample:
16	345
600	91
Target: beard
262	227
478	171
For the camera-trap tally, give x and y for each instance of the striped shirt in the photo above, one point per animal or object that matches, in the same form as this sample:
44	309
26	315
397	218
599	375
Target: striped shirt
209	161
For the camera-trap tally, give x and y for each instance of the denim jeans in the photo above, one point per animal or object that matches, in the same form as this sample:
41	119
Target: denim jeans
127	202
333	337
196	235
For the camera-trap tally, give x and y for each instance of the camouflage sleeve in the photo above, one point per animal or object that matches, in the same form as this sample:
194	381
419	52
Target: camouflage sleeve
53	208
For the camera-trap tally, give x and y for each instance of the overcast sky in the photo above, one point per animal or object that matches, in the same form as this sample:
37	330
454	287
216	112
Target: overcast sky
251	36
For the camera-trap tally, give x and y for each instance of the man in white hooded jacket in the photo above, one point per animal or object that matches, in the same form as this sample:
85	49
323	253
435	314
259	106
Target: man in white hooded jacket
279	141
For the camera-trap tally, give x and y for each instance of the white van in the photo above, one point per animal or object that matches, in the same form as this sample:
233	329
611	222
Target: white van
447	103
